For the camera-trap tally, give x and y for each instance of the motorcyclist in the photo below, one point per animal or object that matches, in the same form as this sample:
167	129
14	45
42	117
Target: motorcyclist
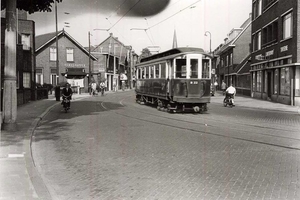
230	93
67	94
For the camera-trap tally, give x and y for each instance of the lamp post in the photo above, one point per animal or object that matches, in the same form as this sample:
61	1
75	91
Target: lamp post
209	40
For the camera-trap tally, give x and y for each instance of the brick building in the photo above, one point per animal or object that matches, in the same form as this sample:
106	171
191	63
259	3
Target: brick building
275	63
74	64
231	59
25	58
113	56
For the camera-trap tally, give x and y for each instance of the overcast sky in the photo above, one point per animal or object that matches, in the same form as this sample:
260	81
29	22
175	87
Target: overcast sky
190	19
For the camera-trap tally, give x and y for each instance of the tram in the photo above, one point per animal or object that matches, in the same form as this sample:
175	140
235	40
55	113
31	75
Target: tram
176	80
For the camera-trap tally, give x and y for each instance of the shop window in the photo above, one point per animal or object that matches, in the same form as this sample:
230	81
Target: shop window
258	81
276	80
254	81
285	85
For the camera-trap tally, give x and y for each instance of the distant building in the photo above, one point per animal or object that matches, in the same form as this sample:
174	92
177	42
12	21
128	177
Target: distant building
25	58
73	61
275	63
231	59
114	59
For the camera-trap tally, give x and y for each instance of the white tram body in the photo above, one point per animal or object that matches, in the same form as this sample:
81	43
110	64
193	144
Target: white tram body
176	80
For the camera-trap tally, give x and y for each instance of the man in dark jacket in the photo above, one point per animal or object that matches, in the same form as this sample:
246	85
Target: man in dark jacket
67	94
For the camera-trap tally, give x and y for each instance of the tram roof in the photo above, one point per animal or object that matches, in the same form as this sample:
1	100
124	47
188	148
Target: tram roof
173	52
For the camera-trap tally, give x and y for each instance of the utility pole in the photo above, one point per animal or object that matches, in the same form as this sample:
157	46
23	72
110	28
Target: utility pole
56	42
10	88
90	67
0	72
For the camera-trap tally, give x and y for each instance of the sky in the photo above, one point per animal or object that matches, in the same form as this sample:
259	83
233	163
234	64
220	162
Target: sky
156	21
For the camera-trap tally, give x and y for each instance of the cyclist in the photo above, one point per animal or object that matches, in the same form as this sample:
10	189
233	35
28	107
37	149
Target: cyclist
102	88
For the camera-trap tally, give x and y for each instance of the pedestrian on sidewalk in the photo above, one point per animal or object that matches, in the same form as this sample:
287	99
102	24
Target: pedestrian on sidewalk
223	87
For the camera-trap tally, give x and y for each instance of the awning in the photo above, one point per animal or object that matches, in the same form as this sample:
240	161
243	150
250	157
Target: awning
74	73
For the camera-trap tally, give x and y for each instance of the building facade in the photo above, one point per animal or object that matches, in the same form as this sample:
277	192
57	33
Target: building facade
74	61
231	59
275	63
25	58
114	62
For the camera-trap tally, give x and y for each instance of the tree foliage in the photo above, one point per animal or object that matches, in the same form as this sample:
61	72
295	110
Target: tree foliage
145	53
32	6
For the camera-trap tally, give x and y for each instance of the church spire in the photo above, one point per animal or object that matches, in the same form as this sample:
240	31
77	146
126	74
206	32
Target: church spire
174	40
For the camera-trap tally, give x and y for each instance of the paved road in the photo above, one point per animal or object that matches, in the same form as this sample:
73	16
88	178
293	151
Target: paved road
112	148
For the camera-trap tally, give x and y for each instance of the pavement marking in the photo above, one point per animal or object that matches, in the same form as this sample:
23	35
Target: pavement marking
15	155
103	106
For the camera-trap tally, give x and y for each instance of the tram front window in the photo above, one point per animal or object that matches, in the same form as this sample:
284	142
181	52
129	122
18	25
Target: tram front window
180	68
194	68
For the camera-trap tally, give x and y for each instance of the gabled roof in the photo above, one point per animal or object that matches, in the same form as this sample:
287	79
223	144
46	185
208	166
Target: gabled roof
42	41
231	43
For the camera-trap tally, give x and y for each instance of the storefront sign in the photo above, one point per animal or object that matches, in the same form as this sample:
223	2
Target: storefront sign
74	65
269	53
284	48
76	82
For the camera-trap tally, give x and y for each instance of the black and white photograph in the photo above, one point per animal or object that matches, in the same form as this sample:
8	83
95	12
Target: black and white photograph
150	100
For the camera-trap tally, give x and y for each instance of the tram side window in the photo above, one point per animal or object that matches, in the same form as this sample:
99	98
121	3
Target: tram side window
180	68
205	68
151	71
194	68
163	70
142	73
147	72
157	71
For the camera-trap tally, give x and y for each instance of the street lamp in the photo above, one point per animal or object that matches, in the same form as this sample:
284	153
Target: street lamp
209	40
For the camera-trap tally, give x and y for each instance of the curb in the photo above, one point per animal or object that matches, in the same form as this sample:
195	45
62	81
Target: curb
37	181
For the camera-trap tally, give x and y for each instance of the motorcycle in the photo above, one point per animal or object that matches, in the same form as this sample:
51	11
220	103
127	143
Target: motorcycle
66	102
228	100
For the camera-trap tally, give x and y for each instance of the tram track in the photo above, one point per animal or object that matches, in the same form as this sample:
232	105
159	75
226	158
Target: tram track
207	126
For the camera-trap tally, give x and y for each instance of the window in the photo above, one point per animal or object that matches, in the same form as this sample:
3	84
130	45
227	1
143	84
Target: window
258	83
276	81
194	68
180	68
268	3
205	68
230	59
26	80
146	72
25	41
285	86
257	41
163	70
53	77
254	81
157	71
52	54
39	76
70	55
270	34
151	71
287	26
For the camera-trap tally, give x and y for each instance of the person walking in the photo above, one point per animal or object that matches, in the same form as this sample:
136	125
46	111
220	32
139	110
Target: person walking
223	87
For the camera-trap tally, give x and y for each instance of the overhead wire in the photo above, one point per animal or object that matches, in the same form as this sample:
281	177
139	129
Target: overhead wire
125	14
173	15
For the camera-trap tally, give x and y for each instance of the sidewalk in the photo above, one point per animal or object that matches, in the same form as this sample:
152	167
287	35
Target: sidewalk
245	101
19	178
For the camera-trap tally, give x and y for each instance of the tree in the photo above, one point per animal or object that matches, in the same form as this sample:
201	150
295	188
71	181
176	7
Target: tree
9	87
31	6
145	53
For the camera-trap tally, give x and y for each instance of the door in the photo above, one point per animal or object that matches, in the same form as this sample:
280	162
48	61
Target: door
269	78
